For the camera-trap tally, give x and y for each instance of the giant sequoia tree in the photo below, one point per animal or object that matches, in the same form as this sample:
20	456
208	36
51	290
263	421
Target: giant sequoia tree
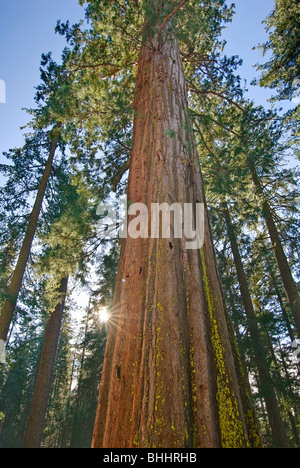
169	377
147	84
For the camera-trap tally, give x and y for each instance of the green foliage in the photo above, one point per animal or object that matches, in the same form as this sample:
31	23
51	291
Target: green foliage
92	94
90	355
228	140
280	71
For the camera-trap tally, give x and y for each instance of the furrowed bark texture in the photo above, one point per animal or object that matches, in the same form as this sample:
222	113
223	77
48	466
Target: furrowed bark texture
37	415
169	377
17	279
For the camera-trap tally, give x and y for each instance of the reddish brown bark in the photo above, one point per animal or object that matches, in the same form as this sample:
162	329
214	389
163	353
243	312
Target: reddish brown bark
169	377
37	415
17	278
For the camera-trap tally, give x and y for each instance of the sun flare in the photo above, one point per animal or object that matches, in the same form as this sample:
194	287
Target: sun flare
104	315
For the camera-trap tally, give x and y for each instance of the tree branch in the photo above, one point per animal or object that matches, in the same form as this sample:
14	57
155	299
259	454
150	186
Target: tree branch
195	90
167	18
116	179
219	123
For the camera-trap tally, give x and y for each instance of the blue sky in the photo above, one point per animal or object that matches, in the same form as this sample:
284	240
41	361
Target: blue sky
27	31
244	33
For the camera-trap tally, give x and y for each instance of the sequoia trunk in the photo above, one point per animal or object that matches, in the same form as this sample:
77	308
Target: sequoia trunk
36	420
169	376
17	279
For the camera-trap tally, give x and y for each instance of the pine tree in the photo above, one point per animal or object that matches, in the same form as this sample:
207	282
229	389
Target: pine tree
266	383
35	424
14	287
256	137
56	106
17	376
228	177
283	67
91	355
69	223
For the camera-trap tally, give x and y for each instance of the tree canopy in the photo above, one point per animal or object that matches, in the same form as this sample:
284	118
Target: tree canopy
145	103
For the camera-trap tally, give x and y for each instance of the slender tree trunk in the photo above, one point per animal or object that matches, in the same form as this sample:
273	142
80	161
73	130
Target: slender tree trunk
169	376
283	308
36	420
67	428
75	433
294	429
268	434
283	265
241	370
266	382
17	279
286	390
290	391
